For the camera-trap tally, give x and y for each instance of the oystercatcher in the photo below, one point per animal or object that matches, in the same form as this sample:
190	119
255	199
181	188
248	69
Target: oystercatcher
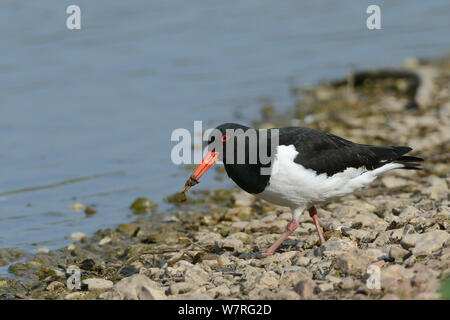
305	168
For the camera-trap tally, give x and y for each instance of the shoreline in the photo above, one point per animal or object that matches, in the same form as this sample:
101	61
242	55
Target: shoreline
210	248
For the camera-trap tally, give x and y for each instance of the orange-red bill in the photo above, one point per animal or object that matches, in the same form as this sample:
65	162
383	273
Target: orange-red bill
210	158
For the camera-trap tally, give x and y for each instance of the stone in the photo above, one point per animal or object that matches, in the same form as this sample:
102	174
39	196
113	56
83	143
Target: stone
243	199
196	275
189	296
77	207
232	244
348	283
438	189
325	287
429	242
181	287
409	213
409	240
305	289
285	294
97	284
209	240
392	275
267	280
238	226
43	250
55	286
143	205
393	181
74	295
351	263
104	241
77	235
136	287
302	261
335	246
361	235
220	291
397	253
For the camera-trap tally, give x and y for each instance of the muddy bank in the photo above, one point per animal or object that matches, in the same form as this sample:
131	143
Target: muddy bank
211	247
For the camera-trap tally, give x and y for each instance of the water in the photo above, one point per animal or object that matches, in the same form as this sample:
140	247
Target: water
88	114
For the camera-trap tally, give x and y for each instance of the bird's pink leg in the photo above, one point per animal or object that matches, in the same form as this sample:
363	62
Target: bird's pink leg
289	229
313	214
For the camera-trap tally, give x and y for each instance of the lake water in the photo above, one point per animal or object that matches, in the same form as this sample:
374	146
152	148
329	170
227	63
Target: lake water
87	115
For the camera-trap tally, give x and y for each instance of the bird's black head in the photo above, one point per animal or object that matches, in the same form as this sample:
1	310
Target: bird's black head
238	147
224	131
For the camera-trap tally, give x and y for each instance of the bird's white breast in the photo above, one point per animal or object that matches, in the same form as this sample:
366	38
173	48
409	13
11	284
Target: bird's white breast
295	186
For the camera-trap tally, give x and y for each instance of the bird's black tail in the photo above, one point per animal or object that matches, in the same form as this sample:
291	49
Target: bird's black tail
396	155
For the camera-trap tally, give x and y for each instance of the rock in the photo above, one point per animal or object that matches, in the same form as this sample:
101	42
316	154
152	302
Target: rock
438	189
143	206
348	283
220	291
136	287
409	240
305	289
267	280
285	294
90	211
351	263
10	255
368	220
189	296
335	246
293	274
429	242
209	240
43	250
232	244
74	295
238	226
181	287
302	261
55	286
325	287
88	264
391	276
361	235
97	284
77	207
196	275
393	182
104	241
409	213
397	253
243	199
128	228
77	235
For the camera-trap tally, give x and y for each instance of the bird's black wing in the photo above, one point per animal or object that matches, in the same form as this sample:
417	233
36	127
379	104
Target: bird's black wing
326	153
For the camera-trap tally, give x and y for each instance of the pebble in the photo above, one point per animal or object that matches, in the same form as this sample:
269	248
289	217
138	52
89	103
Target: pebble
305	289
97	284
136	287
429	242
77	236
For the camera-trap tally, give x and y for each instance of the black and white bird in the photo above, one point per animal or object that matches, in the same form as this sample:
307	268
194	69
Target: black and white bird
307	167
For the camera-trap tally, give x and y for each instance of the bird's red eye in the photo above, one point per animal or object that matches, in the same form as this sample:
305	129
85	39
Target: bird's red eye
225	138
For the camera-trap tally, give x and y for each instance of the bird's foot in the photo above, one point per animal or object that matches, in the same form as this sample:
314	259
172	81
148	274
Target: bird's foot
289	229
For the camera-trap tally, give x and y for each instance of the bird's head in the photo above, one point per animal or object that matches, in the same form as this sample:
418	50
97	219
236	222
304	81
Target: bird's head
217	142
